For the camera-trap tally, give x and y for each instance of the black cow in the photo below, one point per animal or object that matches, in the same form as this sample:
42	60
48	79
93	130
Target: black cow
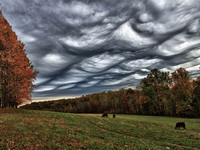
105	115
114	116
179	125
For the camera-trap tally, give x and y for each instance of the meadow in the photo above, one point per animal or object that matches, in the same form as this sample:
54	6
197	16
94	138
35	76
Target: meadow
30	129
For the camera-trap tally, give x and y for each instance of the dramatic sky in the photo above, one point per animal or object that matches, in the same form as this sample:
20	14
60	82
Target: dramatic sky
87	46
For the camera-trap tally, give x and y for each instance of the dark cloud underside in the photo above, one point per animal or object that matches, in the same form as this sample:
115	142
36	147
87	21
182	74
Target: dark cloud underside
87	46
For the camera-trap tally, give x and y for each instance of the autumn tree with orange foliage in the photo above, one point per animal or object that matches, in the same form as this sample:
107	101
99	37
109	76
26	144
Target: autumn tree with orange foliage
181	92
16	71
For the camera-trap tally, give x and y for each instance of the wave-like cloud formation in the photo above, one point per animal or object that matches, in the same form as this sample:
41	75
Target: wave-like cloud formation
90	46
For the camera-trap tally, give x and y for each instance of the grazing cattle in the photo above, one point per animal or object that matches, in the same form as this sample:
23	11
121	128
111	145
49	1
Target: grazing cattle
113	115
179	125
105	115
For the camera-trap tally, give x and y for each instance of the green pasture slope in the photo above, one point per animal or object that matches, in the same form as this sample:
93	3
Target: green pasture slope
27	129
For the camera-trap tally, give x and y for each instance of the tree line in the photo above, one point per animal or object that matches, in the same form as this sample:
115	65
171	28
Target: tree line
160	93
16	71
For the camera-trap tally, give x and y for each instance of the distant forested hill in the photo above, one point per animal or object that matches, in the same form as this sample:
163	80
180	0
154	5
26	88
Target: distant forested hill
160	93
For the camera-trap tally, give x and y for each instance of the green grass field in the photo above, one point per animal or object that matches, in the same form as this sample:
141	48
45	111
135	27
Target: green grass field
27	129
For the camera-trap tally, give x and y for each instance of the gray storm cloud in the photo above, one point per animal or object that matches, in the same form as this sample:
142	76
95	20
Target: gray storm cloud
84	46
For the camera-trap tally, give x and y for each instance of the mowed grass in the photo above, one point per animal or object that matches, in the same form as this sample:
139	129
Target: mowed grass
28	129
